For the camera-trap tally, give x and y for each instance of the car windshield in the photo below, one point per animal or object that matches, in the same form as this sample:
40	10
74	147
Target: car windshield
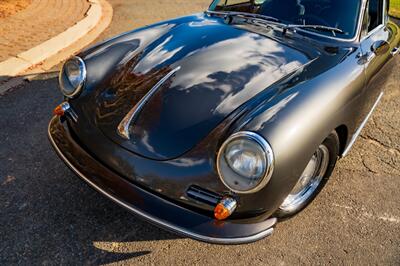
337	14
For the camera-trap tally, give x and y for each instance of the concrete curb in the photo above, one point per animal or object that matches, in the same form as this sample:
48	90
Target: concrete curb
57	49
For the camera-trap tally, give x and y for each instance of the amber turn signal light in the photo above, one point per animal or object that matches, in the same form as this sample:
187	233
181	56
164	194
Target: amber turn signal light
58	111
225	208
61	109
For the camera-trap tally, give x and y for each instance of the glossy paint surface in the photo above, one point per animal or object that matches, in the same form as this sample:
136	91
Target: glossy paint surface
221	68
291	89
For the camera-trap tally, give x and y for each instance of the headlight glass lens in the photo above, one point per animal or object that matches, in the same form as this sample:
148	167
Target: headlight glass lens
73	72
246	158
72	76
245	162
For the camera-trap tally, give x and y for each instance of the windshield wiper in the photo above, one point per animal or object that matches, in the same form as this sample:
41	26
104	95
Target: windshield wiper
314	27
252	15
244	15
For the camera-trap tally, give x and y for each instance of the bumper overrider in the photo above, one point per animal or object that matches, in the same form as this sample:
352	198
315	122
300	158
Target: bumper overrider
152	208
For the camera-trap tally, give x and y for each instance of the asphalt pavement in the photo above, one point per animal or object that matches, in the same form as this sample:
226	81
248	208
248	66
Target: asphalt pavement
48	216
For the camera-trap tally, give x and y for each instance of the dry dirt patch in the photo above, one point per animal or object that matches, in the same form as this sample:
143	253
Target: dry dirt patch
10	7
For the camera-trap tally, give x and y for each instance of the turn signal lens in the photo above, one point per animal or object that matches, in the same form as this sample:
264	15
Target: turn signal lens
61	109
225	208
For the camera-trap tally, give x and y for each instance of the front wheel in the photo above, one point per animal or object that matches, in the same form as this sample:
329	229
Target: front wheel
313	179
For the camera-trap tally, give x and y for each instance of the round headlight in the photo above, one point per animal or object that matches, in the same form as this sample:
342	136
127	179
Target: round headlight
245	162
72	77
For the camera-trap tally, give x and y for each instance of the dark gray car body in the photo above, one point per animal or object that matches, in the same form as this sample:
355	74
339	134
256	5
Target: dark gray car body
293	89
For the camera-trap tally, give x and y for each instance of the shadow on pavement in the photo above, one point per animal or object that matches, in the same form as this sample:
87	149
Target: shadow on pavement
47	214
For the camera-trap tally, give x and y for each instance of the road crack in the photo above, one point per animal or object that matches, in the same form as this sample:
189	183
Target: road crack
367	167
379	143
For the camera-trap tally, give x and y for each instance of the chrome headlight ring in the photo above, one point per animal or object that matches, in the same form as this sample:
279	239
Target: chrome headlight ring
72	77
262	154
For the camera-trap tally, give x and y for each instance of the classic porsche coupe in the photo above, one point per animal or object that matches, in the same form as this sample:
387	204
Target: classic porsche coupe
219	124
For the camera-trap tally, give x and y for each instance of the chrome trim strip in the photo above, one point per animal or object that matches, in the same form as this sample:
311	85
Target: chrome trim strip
156	221
123	127
358	132
197	193
202	197
268	154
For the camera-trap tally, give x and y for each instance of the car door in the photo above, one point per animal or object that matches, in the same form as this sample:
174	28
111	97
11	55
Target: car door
378	44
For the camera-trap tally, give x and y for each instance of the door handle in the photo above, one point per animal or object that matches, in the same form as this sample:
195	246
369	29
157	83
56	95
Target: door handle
365	58
369	57
395	51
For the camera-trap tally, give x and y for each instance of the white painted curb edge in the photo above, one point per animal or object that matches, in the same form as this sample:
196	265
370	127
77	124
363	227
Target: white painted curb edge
22	62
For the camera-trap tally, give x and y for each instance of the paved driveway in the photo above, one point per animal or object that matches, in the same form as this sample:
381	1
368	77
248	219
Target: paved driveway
48	216
38	22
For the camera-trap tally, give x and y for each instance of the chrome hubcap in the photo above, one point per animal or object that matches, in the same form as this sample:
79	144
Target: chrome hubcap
309	180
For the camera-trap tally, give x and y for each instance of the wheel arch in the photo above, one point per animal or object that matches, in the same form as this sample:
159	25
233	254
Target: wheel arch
343	134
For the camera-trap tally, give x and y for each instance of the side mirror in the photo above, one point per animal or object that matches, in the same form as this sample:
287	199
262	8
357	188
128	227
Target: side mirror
380	47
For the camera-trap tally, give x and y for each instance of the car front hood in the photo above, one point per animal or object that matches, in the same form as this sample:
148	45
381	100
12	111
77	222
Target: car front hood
193	73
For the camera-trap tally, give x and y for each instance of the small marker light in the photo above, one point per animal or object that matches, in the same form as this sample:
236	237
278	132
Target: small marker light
225	208
61	109
58	111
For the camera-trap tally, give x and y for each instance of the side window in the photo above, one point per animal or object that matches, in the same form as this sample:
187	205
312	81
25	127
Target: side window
375	14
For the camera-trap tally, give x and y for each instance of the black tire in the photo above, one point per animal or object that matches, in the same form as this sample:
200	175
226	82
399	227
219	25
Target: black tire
332	143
